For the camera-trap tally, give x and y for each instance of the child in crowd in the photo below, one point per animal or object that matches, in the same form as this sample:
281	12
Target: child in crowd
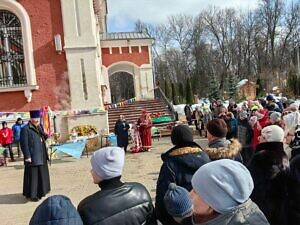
56	210
178	204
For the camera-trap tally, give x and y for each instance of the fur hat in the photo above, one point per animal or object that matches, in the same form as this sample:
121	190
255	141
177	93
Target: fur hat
177	201
223	184
181	134
108	162
217	128
273	133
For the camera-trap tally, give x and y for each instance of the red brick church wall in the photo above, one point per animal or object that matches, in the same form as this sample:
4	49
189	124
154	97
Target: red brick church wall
134	57
50	67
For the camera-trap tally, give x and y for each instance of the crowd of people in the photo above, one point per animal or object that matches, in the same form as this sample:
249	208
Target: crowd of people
8	138
245	121
248	174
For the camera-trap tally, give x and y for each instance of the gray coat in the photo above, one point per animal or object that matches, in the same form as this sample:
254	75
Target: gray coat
246	213
33	144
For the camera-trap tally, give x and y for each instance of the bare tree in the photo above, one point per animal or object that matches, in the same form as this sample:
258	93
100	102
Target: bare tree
220	24
224	42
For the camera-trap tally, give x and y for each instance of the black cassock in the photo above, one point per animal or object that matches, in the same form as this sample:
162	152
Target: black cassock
36	182
121	130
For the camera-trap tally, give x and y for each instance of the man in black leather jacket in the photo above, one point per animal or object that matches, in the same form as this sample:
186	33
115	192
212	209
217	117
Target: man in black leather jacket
117	202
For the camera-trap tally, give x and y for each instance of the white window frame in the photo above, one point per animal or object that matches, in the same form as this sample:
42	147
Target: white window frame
17	9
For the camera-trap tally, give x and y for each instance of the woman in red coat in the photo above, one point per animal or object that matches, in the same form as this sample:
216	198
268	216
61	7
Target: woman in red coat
6	139
145	124
262	118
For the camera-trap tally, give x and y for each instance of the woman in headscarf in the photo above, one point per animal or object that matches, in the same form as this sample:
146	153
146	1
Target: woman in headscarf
145	124
136	140
262	118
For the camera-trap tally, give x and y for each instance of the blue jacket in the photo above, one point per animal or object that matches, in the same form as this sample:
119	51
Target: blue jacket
17	131
179	165
56	210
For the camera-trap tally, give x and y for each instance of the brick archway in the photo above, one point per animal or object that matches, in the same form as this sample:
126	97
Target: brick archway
119	68
130	53
121	86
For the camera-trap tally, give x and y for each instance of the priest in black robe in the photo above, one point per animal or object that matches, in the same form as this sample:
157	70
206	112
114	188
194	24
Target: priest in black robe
121	131
36	183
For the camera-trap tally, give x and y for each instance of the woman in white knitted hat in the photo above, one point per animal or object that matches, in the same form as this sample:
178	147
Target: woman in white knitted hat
269	169
220	195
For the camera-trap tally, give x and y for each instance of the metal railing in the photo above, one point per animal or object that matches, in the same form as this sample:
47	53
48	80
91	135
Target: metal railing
159	94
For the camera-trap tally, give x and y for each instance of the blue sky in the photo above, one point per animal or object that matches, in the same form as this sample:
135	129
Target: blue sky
122	14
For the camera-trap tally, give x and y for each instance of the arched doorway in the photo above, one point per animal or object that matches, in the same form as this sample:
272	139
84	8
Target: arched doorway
121	86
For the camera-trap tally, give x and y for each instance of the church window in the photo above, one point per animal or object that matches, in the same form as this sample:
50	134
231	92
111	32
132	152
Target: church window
12	67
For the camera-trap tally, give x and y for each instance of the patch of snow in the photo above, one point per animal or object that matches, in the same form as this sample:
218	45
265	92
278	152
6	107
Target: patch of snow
242	82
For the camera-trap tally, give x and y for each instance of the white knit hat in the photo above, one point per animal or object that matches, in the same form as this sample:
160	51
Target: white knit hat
273	133
108	162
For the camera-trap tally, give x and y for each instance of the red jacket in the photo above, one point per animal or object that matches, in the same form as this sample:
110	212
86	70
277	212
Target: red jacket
256	130
6	136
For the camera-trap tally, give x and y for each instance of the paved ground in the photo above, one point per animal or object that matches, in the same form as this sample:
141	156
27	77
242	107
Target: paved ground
72	178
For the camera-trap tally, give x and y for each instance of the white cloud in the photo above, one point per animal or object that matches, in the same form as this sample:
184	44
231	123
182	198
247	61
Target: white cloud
121	12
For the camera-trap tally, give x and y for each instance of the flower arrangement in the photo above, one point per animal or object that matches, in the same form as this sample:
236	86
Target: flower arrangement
84	130
156	115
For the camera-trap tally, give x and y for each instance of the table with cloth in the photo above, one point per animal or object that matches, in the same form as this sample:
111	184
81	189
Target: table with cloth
73	149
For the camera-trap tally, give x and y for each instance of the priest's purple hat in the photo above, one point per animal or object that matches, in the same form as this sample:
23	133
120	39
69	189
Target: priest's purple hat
35	113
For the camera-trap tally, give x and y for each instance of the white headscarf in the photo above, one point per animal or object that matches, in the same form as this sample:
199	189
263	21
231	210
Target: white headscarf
291	120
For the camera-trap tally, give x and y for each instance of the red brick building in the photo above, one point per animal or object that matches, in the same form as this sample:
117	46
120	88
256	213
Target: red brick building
58	53
48	66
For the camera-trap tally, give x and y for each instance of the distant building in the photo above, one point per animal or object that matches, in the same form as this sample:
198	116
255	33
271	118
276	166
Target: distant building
247	89
58	53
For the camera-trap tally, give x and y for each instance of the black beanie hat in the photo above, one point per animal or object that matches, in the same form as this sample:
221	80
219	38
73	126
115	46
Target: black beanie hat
181	134
217	128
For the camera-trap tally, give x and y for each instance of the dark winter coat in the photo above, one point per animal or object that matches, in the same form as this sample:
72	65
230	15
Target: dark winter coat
232	128
294	191
56	210
244	133
269	169
118	203
233	108
179	165
273	107
121	130
224	149
33	143
188	111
